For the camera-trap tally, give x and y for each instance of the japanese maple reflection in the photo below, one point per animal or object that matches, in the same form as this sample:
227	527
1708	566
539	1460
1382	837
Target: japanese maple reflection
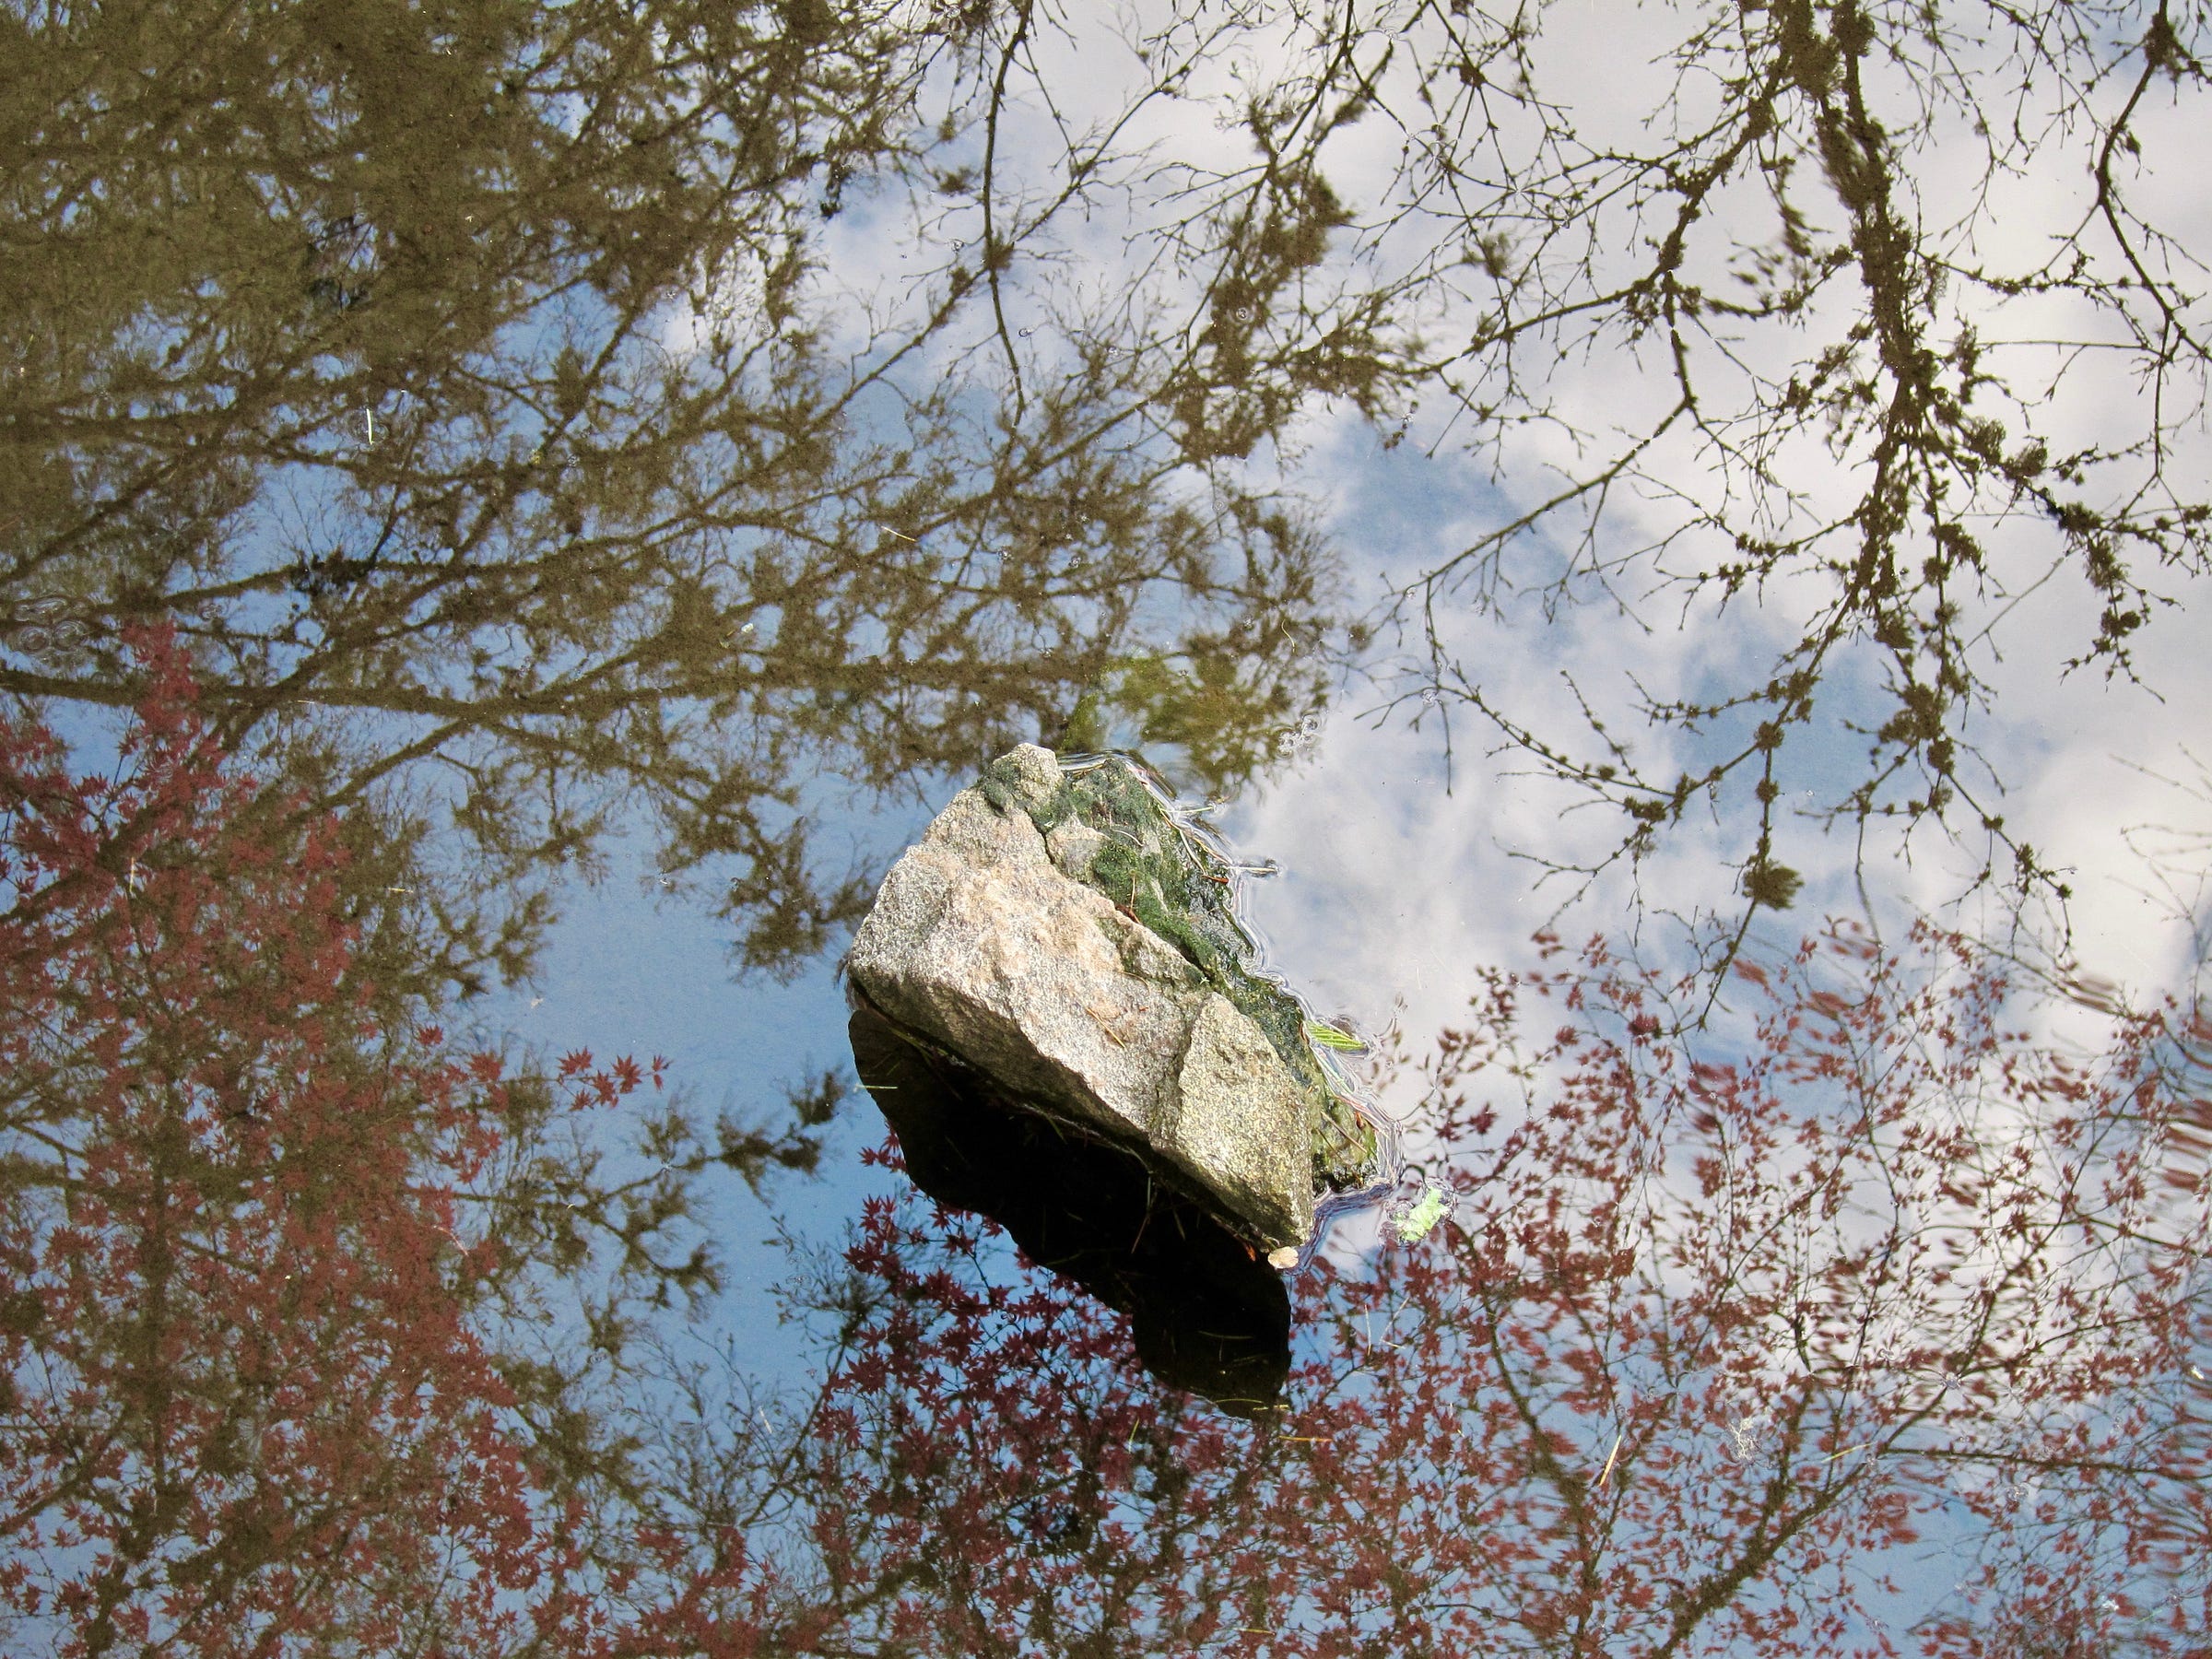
1206	1314
1711	1352
1707	1343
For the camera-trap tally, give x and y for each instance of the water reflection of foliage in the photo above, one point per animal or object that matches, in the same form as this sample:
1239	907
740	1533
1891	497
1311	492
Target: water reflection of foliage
1703	1352
245	1399
415	280
399	364
1705	1341
1750	317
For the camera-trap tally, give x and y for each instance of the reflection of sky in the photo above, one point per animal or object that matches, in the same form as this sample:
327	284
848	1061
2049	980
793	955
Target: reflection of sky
1392	890
1441	862
631	970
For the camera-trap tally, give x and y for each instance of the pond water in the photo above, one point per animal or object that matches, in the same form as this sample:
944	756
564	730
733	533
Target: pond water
1662	540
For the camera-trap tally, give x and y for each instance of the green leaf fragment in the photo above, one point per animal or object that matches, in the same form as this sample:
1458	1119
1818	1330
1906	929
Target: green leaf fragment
1416	1222
1330	1037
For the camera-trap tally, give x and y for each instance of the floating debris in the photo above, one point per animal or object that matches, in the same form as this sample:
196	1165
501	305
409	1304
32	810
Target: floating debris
1328	1036
1415	1223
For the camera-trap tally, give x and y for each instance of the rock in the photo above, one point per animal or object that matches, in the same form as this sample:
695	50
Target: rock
1236	1114
1062	936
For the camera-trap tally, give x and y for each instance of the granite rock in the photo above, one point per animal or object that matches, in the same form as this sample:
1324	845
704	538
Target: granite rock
1059	933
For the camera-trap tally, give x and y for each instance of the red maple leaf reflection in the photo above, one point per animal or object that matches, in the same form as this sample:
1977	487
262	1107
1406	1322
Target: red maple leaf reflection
1709	1342
242	1408
1714	1340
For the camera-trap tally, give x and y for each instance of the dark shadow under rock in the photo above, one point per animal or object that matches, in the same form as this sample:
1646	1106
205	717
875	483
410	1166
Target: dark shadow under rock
1207	1316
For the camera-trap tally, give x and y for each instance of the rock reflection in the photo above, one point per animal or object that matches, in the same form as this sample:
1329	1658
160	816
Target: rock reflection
1206	1315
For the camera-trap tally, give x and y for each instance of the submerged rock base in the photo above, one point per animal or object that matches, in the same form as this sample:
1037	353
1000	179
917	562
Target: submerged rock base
1206	1315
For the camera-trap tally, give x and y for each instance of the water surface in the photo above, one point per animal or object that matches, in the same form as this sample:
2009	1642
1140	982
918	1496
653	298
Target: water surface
525	510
